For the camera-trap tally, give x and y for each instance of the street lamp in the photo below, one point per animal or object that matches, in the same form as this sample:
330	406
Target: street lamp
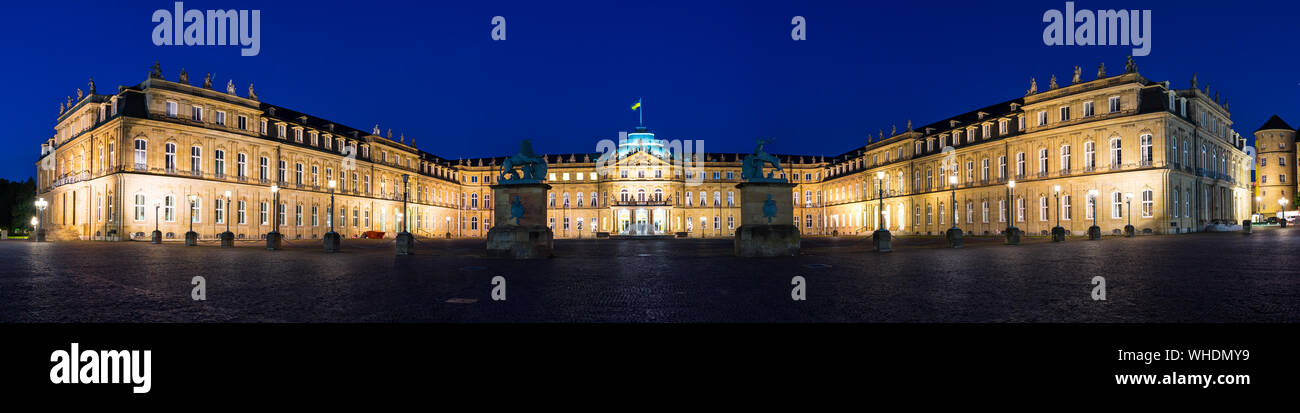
406	178
954	233
273	237
1094	232
881	237
448	226
1255	212
1128	202
191	237
1012	233
1058	233
225	215
332	239
41	203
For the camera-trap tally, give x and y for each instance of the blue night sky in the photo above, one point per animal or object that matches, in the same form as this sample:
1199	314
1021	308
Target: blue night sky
724	72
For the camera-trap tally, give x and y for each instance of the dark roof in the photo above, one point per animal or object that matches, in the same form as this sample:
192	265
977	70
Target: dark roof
1275	123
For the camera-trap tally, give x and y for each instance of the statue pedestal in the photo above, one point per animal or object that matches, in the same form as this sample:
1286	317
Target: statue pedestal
1246	226
405	243
191	238
40	236
332	241
227	239
527	236
767	221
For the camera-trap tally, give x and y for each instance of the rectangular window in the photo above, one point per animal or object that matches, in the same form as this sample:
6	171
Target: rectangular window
1148	203
196	113
1087	109
1042	117
221	118
241	216
243	122
1114	104
1065	207
1065	113
172	109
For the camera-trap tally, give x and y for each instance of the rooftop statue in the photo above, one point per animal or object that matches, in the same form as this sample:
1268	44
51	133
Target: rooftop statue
230	86
207	81
531	167
752	167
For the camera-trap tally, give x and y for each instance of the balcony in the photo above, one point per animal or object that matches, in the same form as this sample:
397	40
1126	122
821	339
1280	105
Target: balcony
1145	163
1043	174
141	167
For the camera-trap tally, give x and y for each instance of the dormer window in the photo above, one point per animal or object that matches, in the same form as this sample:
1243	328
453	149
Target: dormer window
297	135
262	128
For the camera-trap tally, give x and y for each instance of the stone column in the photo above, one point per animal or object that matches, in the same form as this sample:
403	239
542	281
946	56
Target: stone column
767	221
519	211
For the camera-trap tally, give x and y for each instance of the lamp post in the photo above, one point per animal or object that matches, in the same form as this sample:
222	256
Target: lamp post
227	238
41	204
156	237
1129	231
1255	207
332	239
1058	232
880	238
1282	211
1094	232
405	242
191	237
273	237
954	233
448	226
1012	233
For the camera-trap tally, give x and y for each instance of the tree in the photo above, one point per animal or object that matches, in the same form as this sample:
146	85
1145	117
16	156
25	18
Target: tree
17	204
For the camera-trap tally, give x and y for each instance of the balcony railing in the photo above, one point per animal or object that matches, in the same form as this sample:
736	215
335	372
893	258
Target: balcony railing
142	167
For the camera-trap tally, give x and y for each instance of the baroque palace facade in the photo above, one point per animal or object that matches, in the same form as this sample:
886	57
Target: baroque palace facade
166	153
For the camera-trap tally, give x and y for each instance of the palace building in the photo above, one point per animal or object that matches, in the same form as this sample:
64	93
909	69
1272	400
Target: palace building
1119	148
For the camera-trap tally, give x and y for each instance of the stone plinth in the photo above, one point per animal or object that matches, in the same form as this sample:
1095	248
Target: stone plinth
227	239
332	241
1129	231
191	238
1246	226
880	239
519	229
405	243
767	221
1094	233
1058	234
155	238
954	237
1013	236
273	240
40	236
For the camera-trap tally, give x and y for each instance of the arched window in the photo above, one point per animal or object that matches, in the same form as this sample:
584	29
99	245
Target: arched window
1116	152
139	207
640	195
1148	203
1117	205
622	196
141	157
565	199
169	208
195	211
473	201
196	160
169	157
659	195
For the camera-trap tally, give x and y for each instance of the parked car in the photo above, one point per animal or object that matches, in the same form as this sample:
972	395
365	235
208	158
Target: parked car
1272	220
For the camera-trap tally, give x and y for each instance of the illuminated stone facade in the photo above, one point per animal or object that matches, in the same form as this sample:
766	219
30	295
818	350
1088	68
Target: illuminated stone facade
117	159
